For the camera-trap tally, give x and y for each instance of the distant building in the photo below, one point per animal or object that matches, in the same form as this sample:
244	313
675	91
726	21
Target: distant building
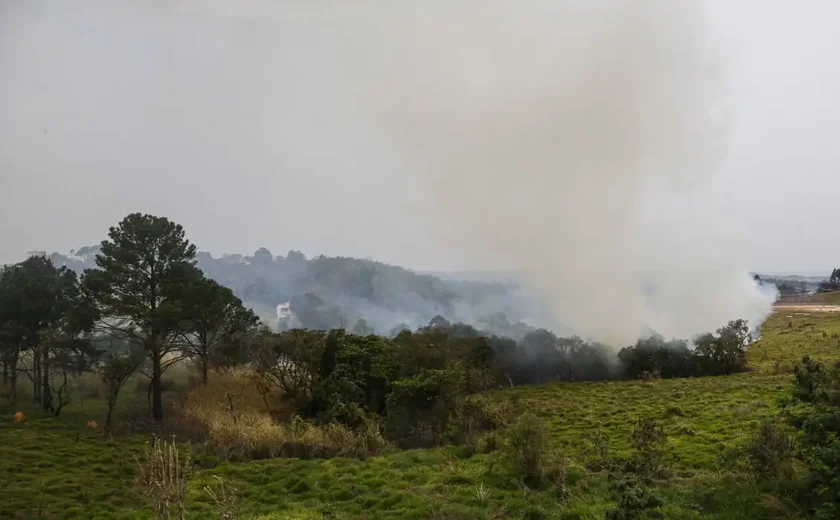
284	311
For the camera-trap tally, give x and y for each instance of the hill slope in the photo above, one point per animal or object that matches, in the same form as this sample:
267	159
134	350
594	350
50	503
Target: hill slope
332	292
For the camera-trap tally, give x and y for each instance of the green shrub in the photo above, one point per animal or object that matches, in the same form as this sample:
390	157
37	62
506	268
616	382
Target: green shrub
649	439
529	443
815	412
770	450
533	459
473	416
597	450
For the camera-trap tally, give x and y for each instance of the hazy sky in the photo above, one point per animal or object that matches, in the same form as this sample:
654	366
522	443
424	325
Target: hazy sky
232	118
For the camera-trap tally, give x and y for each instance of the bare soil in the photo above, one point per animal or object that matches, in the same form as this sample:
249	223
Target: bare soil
806	308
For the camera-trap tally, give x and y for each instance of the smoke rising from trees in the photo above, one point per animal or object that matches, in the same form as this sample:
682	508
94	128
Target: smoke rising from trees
567	140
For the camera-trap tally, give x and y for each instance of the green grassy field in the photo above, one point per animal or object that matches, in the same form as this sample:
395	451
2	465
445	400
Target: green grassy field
55	468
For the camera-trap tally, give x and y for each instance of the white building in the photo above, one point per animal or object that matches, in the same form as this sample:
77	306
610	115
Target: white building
284	311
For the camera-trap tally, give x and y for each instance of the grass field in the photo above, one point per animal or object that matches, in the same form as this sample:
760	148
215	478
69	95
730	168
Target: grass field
55	468
828	298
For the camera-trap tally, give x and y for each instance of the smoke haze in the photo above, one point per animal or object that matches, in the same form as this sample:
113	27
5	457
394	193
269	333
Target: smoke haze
565	140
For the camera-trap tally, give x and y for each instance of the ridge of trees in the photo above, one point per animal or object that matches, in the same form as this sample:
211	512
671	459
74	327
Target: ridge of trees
336	292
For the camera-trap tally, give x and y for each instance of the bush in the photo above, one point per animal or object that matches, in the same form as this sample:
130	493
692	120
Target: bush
597	452
258	436
237	421
634	501
648	438
770	450
534	460
631	481
815	412
475	415
529	442
419	408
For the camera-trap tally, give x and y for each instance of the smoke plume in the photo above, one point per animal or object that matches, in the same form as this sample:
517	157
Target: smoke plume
569	141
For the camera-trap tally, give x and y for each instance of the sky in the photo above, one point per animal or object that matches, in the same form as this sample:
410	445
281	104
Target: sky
241	121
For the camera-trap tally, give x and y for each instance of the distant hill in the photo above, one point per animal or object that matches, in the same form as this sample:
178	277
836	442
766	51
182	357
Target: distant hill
329	292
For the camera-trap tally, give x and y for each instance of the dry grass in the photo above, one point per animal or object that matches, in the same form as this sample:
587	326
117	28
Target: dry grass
239	424
164	475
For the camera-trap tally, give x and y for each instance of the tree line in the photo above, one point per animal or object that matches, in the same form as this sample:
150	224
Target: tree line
147	305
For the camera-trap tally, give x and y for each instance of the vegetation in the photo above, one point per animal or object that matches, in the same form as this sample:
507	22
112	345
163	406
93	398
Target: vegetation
438	422
336	292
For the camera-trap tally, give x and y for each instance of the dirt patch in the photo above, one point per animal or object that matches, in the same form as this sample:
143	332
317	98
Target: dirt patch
805	308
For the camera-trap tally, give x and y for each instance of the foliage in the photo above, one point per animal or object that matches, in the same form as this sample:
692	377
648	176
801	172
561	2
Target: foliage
43	326
815	412
528	441
475	415
140	286
72	473
770	450
237	424
419	407
632	480
714	354
121	359
213	317
648	439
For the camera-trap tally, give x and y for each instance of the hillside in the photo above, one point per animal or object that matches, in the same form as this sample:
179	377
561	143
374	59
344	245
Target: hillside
57	469
337	292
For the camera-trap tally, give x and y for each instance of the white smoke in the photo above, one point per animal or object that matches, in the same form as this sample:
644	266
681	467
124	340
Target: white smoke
567	140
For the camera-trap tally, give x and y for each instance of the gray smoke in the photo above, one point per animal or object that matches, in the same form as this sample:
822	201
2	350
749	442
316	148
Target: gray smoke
567	140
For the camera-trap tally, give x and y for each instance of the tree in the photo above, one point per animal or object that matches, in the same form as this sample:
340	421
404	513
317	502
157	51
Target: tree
121	359
213	316
35	310
290	361
725	353
138	288
12	333
541	347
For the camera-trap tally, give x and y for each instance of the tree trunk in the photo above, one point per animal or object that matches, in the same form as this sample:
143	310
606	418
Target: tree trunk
5	373
204	363
13	383
112	402
45	378
36	377
13	389
157	389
